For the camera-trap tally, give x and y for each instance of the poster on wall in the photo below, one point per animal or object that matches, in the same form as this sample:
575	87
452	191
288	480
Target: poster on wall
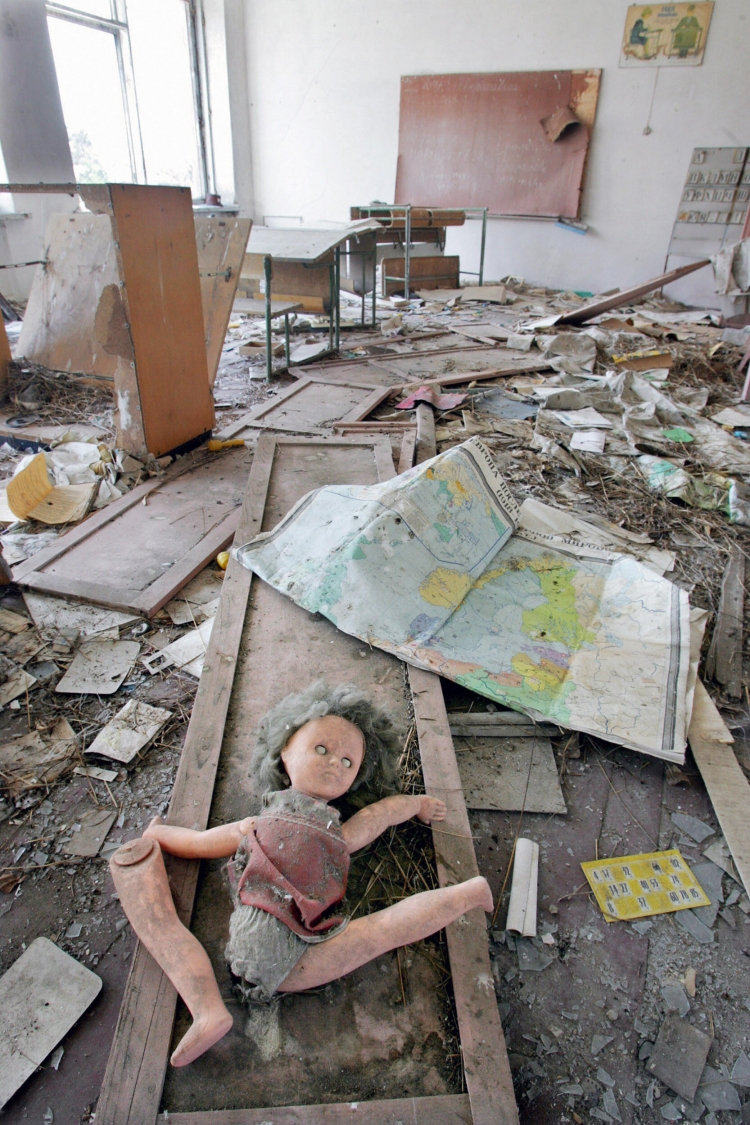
665	34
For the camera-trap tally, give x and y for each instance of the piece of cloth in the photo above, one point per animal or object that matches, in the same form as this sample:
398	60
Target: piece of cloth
296	863
429	394
261	952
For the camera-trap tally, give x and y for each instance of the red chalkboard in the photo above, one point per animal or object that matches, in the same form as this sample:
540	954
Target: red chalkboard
477	140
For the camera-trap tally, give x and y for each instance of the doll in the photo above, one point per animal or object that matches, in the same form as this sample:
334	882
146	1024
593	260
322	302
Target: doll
290	864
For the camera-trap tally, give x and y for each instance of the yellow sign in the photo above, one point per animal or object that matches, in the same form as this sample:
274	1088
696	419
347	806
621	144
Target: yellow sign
665	34
634	886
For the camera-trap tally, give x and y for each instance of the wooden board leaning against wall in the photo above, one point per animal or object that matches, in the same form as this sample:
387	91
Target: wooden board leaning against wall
262	647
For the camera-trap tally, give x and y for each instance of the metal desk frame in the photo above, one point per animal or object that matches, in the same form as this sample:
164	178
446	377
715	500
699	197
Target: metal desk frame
406	208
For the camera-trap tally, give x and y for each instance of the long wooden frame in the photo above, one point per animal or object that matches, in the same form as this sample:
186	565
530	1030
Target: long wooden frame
147	601
256	419
135	1072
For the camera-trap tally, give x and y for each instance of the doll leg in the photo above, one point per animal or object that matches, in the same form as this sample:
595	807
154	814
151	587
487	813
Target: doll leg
141	882
363	939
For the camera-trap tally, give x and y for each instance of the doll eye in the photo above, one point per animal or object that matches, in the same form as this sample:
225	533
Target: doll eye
346	762
320	750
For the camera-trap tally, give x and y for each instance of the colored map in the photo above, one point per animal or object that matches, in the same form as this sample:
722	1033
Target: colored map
431	567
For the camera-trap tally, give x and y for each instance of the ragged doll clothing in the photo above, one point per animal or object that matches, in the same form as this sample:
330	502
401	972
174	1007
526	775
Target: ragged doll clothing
297	863
285	877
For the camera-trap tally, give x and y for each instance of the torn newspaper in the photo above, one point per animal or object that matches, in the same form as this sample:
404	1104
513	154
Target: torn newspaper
440	567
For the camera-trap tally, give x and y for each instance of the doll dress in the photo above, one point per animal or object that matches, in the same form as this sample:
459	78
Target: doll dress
286	877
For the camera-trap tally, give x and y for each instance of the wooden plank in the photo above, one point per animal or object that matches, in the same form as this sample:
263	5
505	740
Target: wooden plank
727	786
724	660
486	1067
408	450
504	730
133	1081
308	406
625	296
475	140
221	241
135	556
135	1071
445	1109
425	445
436	271
155	244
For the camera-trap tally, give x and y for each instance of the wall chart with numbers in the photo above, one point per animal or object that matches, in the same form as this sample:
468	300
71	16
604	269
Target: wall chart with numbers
634	886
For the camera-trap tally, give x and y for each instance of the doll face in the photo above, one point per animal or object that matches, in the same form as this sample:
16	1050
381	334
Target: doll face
323	757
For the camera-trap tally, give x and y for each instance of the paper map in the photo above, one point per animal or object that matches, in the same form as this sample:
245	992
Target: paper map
634	886
432	567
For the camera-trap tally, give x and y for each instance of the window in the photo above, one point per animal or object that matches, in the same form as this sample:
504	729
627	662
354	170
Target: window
128	77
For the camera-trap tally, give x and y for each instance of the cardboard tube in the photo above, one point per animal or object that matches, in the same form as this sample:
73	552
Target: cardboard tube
523	891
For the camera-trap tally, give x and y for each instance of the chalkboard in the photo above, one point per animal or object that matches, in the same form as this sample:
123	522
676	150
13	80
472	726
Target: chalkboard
479	140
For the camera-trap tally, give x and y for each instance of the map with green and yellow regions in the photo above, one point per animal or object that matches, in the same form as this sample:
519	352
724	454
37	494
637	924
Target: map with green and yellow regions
430	566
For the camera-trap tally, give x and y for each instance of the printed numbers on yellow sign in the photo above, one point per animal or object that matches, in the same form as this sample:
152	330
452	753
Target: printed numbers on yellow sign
635	886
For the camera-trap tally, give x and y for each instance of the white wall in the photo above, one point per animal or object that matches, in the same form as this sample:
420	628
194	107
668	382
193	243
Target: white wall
323	85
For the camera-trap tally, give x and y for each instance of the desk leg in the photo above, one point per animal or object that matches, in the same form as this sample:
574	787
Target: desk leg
269	356
286	338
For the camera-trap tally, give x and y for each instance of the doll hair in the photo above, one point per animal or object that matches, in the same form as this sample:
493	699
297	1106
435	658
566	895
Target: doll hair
379	770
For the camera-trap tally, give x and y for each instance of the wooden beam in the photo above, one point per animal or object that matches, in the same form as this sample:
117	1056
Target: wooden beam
137	1063
727	785
486	1066
724	660
625	296
445	1109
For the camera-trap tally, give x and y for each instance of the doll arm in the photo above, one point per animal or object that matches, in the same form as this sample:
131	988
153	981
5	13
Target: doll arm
366	825
214	843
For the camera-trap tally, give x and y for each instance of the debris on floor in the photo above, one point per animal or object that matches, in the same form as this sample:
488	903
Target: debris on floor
623	441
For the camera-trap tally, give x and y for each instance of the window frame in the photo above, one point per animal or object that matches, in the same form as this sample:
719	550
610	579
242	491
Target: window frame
117	26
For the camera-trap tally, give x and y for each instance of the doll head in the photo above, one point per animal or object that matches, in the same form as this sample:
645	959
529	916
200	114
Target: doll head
313	733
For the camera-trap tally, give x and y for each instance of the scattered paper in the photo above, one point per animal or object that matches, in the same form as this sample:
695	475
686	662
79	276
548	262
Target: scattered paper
52	615
99	667
35	759
637	886
583	419
14	681
736	419
13	622
198	600
588	441
95	772
186	653
131	730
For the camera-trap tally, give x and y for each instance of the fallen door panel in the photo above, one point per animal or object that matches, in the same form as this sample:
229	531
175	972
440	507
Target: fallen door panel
140	550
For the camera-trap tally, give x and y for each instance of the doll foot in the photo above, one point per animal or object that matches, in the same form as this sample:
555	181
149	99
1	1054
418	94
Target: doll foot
202	1035
483	893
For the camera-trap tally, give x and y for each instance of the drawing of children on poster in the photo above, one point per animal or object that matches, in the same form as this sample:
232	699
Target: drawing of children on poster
665	34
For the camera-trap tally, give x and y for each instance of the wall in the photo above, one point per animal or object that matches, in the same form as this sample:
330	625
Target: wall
33	138
323	84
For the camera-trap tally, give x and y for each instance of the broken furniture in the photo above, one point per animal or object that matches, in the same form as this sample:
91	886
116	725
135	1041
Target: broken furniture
309	406
233	694
302	266
141	275
137	552
250	306
401	228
